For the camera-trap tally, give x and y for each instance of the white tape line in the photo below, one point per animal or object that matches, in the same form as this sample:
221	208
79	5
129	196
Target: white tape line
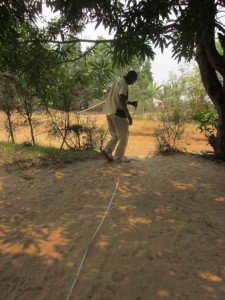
80	112
94	236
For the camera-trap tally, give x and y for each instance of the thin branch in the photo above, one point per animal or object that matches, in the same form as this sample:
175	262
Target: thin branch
75	41
221	28
7	76
215	58
83	55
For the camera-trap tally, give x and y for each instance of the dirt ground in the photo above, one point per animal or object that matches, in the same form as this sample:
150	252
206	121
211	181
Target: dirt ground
163	237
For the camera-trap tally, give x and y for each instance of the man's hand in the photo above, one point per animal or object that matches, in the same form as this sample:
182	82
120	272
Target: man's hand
130	120
135	104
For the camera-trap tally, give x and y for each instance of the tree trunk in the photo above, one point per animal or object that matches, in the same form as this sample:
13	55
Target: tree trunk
217	95
31	130
10	126
64	136
58	129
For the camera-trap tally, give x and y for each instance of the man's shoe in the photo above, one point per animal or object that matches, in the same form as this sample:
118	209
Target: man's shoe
122	160
126	160
107	154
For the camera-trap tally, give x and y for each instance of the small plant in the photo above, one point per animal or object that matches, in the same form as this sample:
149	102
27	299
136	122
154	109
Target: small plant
94	138
207	120
85	134
170	131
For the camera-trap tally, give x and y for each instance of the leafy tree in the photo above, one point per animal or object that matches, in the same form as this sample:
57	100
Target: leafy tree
185	92
7	103
63	95
139	90
154	90
171	93
29	66
193	93
13	13
99	70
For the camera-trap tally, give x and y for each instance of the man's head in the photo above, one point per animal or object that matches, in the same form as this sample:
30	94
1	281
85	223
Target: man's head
131	77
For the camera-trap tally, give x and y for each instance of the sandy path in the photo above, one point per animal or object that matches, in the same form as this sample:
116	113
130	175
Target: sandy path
164	237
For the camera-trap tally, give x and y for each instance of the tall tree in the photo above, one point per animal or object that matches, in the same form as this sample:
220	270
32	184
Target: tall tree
14	12
7	103
29	68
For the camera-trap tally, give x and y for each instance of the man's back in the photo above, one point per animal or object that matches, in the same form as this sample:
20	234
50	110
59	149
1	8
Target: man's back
113	101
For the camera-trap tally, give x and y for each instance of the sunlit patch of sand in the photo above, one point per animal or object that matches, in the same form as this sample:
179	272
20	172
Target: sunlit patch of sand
135	221
207	275
163	293
123	208
59	174
220	199
1	184
33	242
182	186
102	244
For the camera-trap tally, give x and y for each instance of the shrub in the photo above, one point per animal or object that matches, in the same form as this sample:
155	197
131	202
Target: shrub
206	119
86	135
170	131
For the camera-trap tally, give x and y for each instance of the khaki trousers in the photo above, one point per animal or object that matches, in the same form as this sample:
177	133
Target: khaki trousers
119	131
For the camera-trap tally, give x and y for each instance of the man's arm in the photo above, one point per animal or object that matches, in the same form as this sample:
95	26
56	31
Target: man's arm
123	101
133	103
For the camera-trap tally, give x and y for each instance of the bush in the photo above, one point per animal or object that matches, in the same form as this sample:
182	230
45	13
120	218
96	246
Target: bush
207	120
86	135
170	131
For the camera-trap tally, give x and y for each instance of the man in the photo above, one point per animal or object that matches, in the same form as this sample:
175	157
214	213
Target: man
118	117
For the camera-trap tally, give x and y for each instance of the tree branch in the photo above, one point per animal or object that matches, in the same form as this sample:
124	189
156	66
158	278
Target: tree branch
81	56
75	41
209	78
221	28
215	59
